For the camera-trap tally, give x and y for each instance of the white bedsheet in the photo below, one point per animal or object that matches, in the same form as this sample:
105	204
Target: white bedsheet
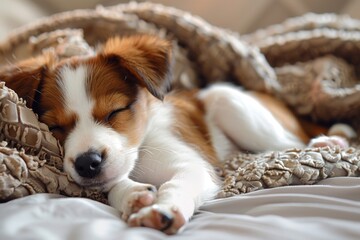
330	210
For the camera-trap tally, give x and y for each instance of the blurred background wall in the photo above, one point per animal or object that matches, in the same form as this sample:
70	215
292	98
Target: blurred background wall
243	16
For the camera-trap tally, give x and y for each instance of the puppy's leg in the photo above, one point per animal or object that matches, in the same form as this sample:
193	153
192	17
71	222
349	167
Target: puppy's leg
245	120
338	135
129	196
191	182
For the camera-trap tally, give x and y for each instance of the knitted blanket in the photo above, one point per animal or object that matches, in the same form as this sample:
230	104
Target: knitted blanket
309	62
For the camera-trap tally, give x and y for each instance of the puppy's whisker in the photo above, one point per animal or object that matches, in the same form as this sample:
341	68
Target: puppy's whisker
159	149
11	63
33	99
146	151
139	171
36	90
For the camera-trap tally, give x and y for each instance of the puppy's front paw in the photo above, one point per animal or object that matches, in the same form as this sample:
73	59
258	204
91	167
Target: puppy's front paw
330	141
139	197
163	218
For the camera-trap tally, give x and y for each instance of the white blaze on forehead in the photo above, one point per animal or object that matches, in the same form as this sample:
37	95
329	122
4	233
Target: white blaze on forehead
73	83
89	134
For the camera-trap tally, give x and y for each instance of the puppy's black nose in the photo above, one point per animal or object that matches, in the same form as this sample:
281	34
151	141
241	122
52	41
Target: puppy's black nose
88	164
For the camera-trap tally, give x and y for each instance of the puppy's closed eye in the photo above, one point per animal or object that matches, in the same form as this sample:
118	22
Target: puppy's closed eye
56	128
115	112
59	132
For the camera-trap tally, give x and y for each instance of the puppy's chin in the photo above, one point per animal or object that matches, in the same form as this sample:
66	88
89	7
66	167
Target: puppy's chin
100	183
111	173
96	183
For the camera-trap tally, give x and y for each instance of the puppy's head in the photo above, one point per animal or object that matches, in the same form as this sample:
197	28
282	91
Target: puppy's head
97	107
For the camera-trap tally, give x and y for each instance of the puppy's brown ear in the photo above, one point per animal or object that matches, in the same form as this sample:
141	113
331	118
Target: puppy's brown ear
146	57
25	78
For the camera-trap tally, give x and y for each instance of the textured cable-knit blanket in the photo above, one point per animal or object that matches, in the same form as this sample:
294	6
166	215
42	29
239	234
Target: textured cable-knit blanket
309	62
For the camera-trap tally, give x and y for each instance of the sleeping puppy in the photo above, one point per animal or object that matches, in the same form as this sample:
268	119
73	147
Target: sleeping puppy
154	153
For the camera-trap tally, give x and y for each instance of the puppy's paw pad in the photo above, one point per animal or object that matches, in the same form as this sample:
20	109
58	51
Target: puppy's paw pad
332	141
168	220
141	196
141	199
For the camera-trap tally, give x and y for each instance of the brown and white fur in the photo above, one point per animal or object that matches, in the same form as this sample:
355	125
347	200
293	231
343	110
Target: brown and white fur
153	153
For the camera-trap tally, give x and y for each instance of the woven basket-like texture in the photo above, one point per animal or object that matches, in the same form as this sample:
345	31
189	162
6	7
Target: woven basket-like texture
309	62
